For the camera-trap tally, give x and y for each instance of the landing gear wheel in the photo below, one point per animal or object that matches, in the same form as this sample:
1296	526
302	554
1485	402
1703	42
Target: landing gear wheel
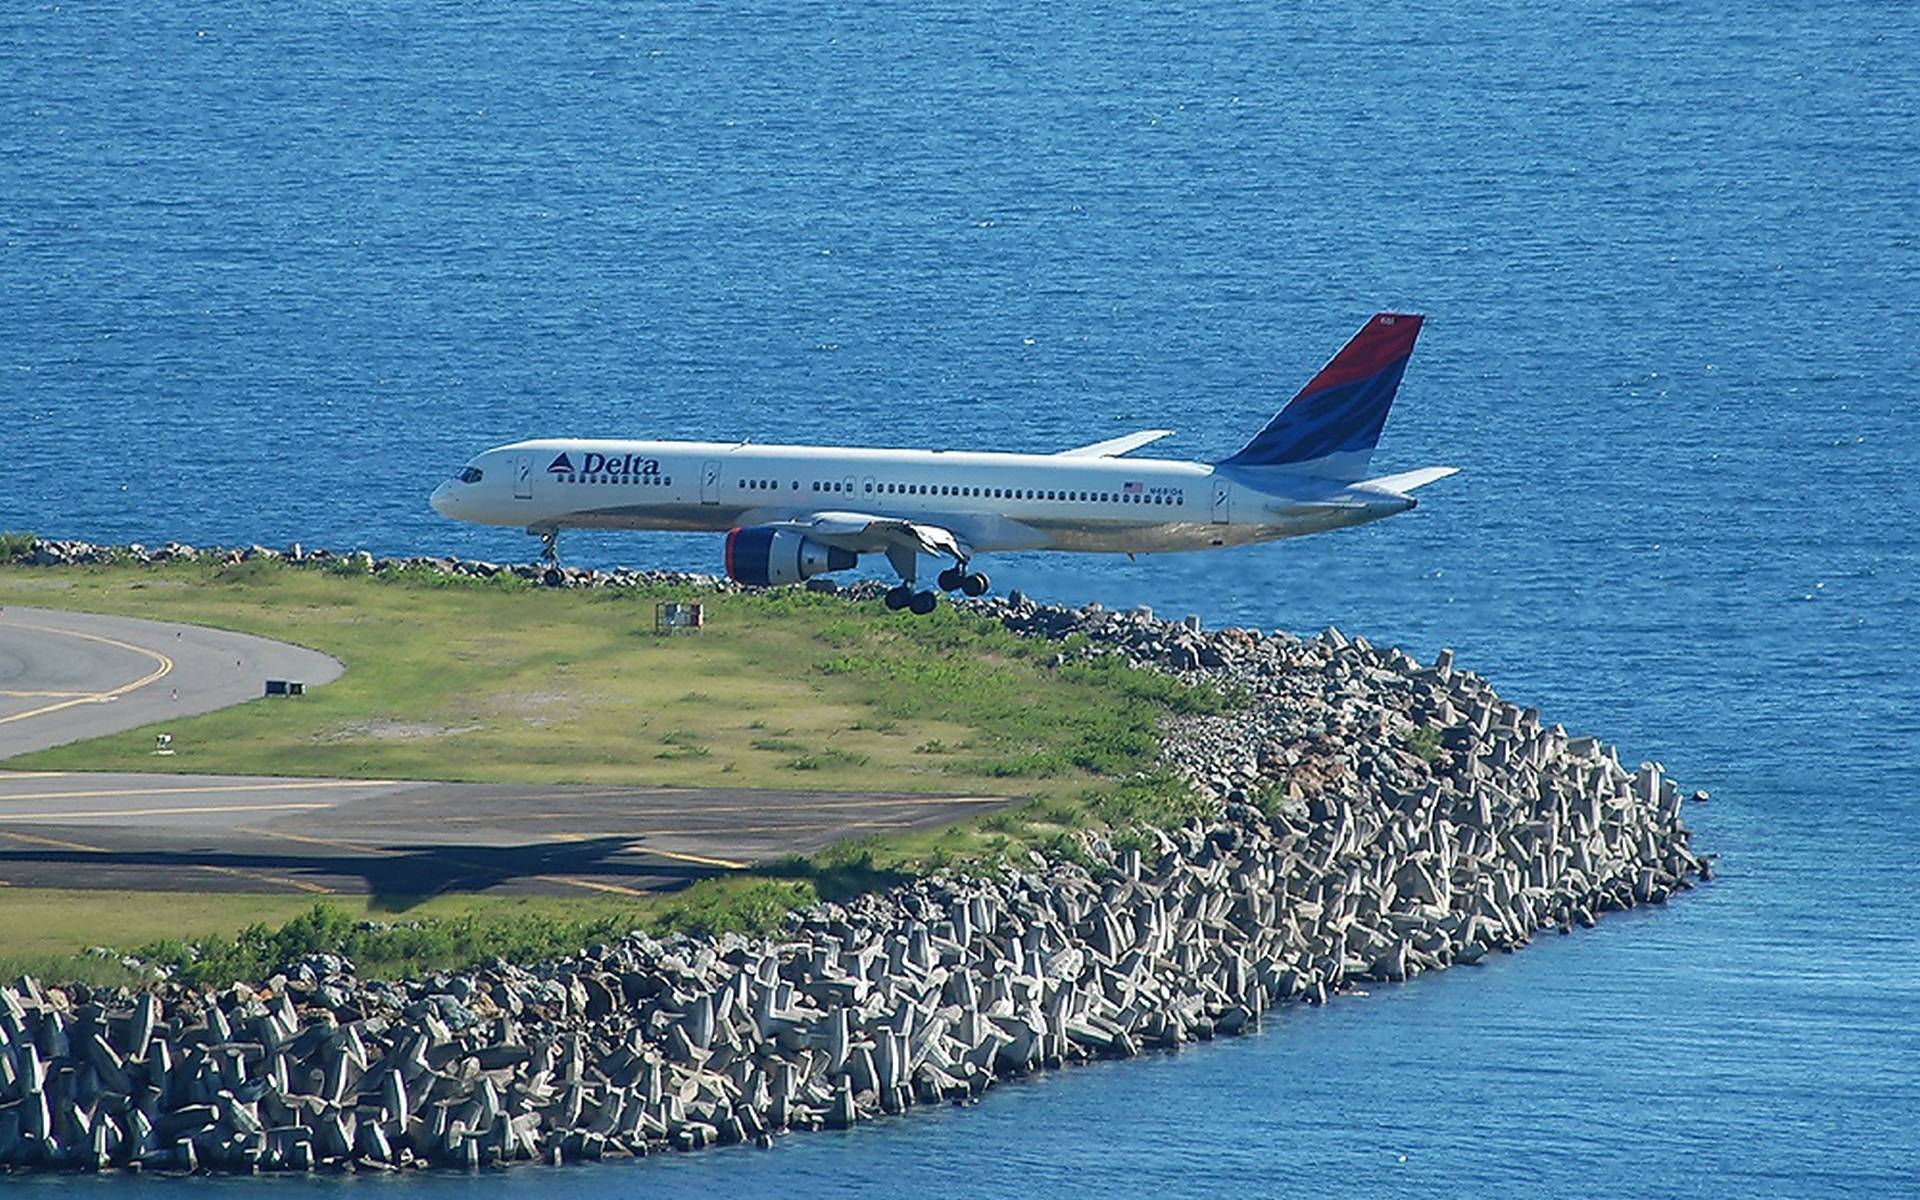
951	579
923	603
899	597
976	584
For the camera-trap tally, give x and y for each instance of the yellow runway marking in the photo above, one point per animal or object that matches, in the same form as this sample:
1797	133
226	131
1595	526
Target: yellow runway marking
651	813
202	789
591	885
382	852
638	846
181	810
637	834
297	884
159	672
45	695
318	841
83	848
800	800
697	859
790	828
7	776
56	843
792	825
563	793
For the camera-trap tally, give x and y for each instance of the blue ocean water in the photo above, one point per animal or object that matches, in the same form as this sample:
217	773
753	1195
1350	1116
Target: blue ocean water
268	272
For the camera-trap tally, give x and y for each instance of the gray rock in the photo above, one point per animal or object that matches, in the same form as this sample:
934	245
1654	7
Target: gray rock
1342	846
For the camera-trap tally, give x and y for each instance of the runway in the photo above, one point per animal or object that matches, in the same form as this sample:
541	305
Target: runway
67	676
401	839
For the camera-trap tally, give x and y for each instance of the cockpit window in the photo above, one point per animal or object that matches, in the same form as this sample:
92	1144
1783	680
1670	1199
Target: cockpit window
469	475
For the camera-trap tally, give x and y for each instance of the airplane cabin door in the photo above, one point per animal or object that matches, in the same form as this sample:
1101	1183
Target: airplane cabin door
1222	500
710	482
522	477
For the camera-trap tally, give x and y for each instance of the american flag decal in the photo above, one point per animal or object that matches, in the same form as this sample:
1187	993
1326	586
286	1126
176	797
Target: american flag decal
1133	488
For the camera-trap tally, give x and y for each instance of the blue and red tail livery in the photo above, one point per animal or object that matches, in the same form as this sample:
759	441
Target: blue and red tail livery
1333	424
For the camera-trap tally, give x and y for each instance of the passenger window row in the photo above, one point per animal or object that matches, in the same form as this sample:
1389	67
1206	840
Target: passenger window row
642	480
1048	494
912	489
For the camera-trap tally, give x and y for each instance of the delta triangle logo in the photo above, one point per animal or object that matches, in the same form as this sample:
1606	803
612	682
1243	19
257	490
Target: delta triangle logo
560	466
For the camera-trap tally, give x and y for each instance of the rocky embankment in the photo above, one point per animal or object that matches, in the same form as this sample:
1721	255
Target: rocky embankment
59	553
1378	818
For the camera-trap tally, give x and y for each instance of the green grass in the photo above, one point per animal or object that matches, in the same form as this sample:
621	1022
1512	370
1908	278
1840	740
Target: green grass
496	681
48	930
216	938
1425	742
488	682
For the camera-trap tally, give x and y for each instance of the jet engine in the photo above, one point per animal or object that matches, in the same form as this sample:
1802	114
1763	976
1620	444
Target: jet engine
761	556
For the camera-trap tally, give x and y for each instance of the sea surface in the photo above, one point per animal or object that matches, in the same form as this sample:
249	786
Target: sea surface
269	272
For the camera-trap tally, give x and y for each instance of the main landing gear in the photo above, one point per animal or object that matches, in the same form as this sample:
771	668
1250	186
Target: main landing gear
919	603
958	579
955	578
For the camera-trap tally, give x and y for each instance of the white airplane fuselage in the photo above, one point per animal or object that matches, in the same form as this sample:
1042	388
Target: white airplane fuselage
792	512
993	502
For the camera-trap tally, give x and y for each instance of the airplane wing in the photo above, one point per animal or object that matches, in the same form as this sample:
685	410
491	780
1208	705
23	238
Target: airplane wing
1115	447
864	533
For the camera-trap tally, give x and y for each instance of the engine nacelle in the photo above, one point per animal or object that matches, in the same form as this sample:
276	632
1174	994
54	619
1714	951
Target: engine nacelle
764	557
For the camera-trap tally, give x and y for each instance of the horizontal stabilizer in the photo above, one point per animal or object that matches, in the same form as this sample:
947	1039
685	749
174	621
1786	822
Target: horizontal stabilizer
1115	447
1406	481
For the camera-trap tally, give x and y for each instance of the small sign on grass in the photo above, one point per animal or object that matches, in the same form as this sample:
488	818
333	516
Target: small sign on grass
675	617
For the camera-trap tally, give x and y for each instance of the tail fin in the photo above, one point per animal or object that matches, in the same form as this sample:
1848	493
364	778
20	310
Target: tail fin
1332	426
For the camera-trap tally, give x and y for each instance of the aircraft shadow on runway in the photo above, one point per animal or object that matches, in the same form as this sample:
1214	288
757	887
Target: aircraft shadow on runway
398	879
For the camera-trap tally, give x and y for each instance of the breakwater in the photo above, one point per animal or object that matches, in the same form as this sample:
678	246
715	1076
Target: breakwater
1376	818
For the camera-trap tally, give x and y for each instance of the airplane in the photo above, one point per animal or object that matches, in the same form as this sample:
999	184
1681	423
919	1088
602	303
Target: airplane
793	512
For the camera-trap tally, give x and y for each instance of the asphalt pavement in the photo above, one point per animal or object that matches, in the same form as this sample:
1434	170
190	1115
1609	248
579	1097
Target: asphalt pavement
67	676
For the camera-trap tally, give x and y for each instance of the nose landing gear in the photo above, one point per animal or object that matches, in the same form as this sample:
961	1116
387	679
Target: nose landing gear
549	545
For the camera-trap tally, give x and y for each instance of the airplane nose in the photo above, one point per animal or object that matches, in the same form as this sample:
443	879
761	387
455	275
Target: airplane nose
441	500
